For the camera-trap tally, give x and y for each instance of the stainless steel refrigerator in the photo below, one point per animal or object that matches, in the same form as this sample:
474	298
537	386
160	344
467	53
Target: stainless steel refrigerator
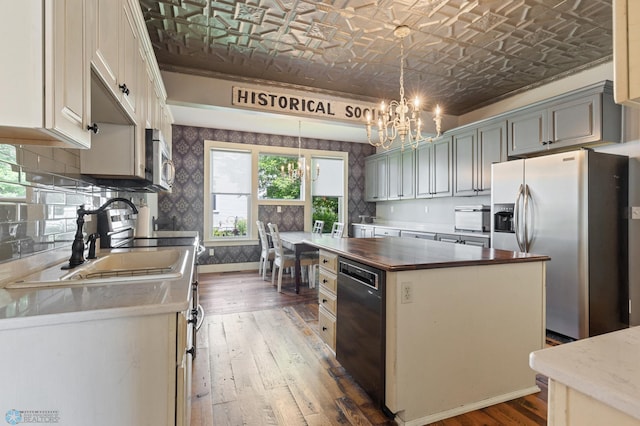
572	207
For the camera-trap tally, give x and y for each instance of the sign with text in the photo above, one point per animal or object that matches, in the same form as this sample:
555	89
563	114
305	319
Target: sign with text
295	104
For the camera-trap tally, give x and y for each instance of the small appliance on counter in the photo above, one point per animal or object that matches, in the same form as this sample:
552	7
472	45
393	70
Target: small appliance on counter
366	219
472	218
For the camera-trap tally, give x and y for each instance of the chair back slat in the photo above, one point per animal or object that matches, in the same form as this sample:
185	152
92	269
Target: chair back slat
337	230
318	226
275	237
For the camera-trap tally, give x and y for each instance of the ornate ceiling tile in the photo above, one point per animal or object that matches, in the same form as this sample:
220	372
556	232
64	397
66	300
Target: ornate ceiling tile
462	54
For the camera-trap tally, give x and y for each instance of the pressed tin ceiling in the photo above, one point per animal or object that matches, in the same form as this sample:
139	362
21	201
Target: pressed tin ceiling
461	54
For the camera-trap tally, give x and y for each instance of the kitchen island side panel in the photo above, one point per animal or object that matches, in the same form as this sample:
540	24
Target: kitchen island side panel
462	341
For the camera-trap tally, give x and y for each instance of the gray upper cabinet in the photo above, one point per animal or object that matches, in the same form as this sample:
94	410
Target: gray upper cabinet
375	183
474	151
433	169
581	118
401	174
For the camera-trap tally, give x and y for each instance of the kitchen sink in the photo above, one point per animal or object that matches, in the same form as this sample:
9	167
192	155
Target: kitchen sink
119	267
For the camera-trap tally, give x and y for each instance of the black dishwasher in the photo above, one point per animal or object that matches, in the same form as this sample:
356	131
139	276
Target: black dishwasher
360	325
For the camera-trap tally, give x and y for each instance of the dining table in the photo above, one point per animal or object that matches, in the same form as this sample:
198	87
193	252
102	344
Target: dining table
295	241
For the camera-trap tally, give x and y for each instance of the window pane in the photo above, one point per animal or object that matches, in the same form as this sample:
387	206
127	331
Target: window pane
330	181
272	185
230	213
230	172
326	209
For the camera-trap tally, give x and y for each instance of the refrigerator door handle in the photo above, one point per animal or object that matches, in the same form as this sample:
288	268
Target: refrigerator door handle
525	240
516	217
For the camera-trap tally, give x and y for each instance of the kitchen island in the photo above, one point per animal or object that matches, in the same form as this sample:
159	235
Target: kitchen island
460	323
100	353
594	381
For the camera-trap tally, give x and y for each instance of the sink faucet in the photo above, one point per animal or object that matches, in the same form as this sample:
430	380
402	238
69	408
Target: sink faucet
77	248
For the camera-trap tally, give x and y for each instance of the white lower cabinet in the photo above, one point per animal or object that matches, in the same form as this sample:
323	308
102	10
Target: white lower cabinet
126	371
327	298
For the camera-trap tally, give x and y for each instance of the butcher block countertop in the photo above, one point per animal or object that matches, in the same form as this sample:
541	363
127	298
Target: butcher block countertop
405	254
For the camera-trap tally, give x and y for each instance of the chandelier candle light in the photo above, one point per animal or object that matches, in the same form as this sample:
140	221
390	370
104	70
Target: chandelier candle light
401	118
298	173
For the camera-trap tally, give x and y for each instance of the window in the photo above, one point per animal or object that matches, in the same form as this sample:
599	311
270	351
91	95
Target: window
230	201
243	181
327	191
272	185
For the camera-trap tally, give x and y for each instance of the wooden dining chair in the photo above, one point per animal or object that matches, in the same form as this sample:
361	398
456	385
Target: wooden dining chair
318	226
267	253
337	229
283	260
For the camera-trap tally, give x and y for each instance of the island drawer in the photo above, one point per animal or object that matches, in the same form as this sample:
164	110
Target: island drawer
329	261
328	280
327	327
327	299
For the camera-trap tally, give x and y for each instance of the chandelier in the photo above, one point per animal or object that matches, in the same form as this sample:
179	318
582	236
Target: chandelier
298	173
401	118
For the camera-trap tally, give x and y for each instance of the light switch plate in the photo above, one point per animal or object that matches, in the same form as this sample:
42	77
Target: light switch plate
635	212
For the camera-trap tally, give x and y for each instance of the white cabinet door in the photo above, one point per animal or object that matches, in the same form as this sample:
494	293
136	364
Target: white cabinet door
376	178
67	84
130	61
424	160
106	54
401	174
441	166
465	162
527	132
626	42
44	80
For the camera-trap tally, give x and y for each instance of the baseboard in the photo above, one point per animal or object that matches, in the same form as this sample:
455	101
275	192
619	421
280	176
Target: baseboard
229	267
468	407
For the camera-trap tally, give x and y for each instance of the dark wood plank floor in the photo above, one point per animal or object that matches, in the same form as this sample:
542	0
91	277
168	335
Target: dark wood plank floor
261	362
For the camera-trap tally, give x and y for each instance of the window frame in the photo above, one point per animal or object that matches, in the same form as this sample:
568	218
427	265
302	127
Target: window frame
256	150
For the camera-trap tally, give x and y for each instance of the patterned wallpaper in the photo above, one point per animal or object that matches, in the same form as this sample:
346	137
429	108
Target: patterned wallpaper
186	202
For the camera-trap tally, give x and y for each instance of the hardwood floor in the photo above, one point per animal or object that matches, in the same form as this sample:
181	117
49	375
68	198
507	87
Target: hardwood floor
261	362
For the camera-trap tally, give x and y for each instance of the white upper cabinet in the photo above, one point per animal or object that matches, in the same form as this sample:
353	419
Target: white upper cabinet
46	48
626	60
118	56
579	118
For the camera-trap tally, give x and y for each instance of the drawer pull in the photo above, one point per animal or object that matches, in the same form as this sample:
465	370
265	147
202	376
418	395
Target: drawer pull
324	328
325	261
324	300
324	281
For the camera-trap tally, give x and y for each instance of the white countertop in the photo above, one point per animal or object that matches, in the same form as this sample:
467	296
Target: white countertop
424	227
605	367
32	307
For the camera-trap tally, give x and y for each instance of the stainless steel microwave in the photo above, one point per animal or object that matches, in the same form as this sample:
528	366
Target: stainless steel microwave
159	169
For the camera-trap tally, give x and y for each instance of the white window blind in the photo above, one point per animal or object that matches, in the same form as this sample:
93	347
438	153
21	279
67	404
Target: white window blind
330	183
230	172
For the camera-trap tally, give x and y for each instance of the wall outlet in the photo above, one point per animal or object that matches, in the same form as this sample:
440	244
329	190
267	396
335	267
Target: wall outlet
426	209
210	252
407	292
279	209
635	212
391	209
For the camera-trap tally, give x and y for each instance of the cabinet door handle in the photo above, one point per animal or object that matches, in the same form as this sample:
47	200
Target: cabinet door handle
324	328
324	300
124	89
324	281
325	261
93	128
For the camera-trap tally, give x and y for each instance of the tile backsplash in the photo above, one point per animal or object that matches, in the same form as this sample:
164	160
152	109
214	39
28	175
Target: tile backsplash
40	190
